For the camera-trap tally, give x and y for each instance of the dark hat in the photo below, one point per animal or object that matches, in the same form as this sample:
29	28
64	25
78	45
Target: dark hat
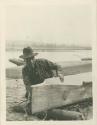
28	53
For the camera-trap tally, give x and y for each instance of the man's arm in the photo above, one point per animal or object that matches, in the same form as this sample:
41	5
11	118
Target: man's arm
60	73
58	68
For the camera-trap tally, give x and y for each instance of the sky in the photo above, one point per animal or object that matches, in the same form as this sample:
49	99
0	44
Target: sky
50	22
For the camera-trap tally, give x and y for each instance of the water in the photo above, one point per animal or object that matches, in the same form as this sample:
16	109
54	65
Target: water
74	55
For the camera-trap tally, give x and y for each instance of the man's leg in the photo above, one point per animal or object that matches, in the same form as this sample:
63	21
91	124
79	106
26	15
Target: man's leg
28	105
27	87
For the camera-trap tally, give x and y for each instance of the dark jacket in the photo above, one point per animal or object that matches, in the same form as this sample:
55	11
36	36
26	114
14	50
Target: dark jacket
38	70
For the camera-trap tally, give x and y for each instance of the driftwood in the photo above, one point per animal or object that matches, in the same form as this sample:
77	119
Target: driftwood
58	114
48	96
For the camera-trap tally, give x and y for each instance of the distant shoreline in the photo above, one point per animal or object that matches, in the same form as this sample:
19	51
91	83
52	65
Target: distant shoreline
49	49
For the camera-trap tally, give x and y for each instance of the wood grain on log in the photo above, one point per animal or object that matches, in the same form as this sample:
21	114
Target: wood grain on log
48	96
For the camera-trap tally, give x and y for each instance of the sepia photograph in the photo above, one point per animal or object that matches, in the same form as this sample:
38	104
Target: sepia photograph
48	63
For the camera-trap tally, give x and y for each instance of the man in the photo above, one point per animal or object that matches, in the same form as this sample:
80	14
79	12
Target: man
36	71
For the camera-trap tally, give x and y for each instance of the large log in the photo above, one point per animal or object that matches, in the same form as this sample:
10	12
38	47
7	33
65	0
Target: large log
69	68
46	96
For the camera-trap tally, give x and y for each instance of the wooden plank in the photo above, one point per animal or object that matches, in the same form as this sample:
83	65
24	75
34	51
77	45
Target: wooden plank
75	67
69	68
18	62
48	96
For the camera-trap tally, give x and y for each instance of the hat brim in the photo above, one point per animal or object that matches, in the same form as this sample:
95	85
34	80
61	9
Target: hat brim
28	56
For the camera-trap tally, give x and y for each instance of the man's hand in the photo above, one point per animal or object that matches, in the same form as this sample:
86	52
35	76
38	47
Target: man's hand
61	77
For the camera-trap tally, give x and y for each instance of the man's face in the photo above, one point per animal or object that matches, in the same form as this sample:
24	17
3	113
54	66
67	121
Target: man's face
27	60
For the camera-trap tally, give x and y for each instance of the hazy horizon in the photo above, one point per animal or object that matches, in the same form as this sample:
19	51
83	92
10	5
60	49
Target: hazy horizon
46	46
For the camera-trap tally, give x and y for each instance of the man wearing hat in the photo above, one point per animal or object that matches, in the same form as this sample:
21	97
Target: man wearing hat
36	71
